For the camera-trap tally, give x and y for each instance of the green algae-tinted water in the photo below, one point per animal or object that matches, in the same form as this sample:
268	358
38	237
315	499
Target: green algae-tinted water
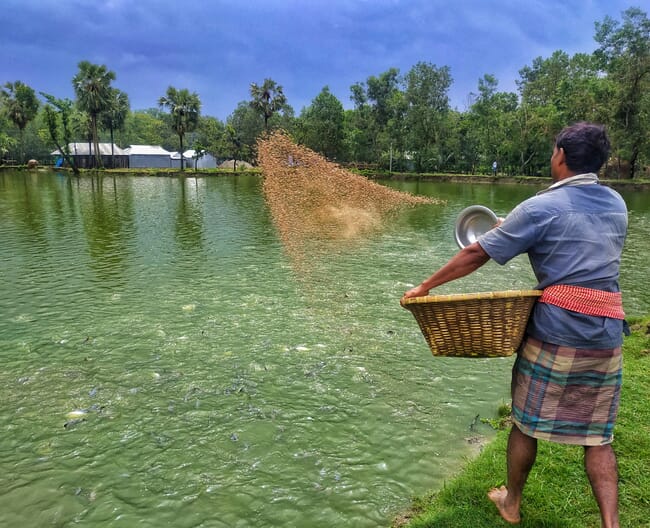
165	364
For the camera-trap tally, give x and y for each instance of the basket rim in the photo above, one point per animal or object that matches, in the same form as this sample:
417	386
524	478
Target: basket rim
459	297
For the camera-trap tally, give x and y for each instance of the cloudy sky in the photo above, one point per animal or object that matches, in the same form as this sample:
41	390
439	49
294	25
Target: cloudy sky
216	48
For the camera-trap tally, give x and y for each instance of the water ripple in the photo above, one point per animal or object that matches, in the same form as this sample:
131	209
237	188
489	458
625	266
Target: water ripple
164	364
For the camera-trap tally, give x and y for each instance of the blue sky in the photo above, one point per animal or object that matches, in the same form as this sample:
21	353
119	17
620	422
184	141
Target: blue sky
217	48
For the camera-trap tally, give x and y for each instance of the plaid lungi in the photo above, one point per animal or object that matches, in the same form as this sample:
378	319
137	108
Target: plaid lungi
566	395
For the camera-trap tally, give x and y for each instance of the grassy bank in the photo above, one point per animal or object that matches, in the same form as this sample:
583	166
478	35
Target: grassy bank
558	494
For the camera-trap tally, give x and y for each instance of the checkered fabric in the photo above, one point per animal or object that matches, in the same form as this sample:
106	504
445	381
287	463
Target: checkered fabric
566	395
585	300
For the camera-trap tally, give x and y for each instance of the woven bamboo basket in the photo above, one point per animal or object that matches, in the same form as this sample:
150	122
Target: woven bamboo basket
490	324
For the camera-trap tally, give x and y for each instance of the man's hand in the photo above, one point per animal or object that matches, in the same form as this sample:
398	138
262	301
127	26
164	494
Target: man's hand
418	291
467	260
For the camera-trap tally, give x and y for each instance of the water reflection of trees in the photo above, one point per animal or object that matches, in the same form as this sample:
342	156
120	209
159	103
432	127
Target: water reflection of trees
107	214
24	207
237	213
189	215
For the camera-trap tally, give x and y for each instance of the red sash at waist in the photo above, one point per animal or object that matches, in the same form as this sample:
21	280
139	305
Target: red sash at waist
585	300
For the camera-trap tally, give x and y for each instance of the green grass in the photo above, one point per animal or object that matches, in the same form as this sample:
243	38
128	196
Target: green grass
557	494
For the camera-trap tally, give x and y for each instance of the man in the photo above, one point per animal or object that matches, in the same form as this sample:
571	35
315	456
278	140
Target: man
567	376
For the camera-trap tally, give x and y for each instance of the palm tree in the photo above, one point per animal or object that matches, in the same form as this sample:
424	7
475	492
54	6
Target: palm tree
92	86
185	109
115	115
267	99
21	106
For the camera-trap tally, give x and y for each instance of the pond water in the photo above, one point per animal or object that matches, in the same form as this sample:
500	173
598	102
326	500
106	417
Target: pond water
166	364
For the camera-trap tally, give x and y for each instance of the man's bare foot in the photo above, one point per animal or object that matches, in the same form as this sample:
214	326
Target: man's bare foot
498	497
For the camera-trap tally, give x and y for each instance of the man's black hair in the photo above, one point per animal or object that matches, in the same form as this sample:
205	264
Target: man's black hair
586	146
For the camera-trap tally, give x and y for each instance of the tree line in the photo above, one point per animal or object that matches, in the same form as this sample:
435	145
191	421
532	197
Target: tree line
399	122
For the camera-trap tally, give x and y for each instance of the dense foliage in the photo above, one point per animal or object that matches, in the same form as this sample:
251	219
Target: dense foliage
399	122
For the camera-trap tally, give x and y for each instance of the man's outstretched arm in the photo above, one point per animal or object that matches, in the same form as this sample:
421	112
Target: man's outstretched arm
466	261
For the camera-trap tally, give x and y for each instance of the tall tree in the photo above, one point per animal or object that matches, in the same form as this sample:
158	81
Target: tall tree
573	85
538	82
114	117
427	102
359	126
377	102
58	120
21	106
321	125
232	144
463	142
248	124
268	99
380	92
494	116
624	53
92	86
185	110
209	134
552	91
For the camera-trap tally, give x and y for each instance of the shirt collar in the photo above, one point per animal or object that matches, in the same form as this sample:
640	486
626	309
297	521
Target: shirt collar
579	179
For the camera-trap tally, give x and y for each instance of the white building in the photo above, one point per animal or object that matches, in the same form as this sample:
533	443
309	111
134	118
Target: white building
192	161
148	156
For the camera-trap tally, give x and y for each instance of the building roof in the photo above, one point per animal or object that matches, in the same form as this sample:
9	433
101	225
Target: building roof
148	150
189	154
81	149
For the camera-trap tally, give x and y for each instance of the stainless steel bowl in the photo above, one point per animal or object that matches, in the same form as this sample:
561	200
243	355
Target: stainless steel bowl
472	222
